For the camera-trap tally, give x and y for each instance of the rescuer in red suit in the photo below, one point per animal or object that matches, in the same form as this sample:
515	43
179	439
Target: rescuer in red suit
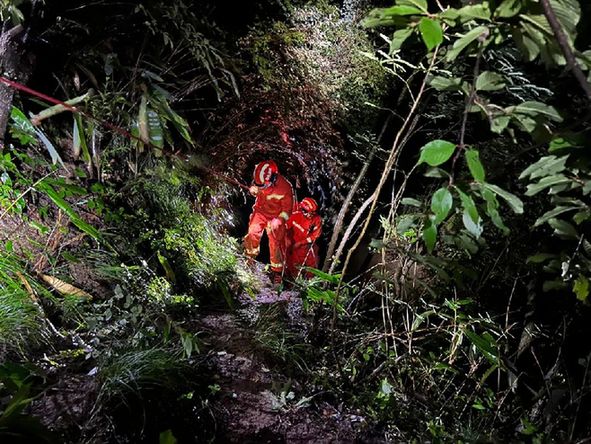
271	210
304	227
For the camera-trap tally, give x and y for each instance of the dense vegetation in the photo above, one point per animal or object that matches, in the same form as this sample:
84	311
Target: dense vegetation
447	143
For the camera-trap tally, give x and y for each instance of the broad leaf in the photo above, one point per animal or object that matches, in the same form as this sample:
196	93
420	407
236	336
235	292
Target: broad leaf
436	152
489	81
469	205
474	164
536	109
420	4
546	182
581	288
431	32
552	213
528	47
471	12
401	10
508	8
461	44
485	344
430	236
492	205
546	166
539	258
399	38
475	229
21	127
446	84
514	202
499	124
563	229
441	203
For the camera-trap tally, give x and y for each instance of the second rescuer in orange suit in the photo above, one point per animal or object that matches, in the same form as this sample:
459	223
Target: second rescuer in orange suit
304	228
271	210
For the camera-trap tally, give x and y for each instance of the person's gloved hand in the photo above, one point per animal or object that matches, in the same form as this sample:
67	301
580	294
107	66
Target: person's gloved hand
254	190
276	223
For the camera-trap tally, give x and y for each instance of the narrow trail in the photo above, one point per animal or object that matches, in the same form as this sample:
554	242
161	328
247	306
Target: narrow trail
256	404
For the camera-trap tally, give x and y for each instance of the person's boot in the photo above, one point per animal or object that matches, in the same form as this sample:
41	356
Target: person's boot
276	278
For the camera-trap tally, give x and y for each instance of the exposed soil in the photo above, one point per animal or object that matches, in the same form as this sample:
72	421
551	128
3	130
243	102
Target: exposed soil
256	404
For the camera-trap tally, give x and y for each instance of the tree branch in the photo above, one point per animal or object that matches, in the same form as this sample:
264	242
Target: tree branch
565	47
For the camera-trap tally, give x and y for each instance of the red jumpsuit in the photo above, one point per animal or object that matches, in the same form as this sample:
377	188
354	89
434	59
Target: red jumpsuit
275	201
302	234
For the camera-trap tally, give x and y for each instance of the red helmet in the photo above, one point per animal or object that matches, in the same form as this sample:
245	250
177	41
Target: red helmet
309	205
264	172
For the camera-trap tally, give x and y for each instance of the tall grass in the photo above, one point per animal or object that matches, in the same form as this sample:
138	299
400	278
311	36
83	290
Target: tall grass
19	314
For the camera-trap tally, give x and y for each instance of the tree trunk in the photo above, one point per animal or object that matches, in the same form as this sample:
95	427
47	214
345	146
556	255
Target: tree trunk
15	64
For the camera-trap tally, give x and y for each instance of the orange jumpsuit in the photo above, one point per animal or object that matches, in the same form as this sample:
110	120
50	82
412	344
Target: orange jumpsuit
302	233
275	201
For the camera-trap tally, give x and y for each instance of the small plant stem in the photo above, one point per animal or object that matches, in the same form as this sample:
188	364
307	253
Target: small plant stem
469	102
385	174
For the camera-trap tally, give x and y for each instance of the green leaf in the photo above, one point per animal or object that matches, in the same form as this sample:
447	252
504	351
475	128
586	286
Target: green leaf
21	127
581	288
144	130
492	205
446	84
489	81
421	4
536	109
436	152
475	229
167	437
471	12
401	10
553	285
563	229
412	202
441	203
539	258
552	213
430	236
508	8
546	166
499	124
514	202
568	13
80	134
528	47
155	129
46	188
461	44
474	164
469	205
546	182
330	278
485	344
55	157
398	39
431	32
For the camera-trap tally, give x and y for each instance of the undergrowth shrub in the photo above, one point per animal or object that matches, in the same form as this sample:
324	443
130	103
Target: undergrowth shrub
141	384
183	240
